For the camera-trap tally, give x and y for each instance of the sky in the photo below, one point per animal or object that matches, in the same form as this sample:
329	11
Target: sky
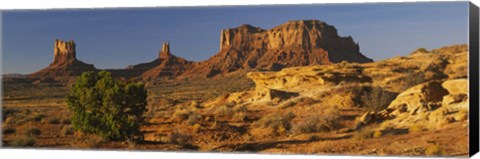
116	38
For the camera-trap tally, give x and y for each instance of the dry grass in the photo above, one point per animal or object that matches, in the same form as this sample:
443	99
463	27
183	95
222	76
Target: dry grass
53	120
194	118
375	98
8	130
363	134
279	124
416	128
33	131
67	130
179	139
434	150
181	114
377	134
39	117
196	128
93	141
324	122
24	141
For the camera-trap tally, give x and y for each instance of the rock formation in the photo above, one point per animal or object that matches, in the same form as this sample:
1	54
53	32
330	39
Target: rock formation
63	52
431	105
64	66
295	43
395	75
166	66
165	53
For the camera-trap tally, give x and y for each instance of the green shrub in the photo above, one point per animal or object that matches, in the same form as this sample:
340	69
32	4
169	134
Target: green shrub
102	105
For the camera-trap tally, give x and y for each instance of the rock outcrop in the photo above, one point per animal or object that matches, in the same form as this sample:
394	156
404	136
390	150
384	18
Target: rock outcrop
295	43
394	75
430	105
296	79
65	65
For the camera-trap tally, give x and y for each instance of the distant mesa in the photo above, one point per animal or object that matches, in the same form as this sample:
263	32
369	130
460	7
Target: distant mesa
166	66
65	65
295	43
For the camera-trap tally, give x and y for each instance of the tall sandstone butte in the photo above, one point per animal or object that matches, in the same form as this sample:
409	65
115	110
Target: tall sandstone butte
295	43
166	66
65	65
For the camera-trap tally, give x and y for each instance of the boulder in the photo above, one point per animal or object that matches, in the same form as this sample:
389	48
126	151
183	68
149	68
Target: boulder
417	98
457	86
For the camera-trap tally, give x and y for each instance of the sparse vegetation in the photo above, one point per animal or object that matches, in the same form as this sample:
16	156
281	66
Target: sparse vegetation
94	141
66	121
194	118
416	128
363	134
8	130
376	98
377	134
434	150
224	110
278	123
421	50
24	141
102	105
54	120
179	139
67	130
196	128
183	113
38	117
33	131
324	122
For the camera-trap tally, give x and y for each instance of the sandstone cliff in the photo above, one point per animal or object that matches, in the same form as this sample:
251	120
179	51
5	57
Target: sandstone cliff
295	43
65	65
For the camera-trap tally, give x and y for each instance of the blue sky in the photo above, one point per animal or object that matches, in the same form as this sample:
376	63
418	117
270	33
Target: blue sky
115	38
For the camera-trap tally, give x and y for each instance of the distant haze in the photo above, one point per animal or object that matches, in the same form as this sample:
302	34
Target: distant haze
115	38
